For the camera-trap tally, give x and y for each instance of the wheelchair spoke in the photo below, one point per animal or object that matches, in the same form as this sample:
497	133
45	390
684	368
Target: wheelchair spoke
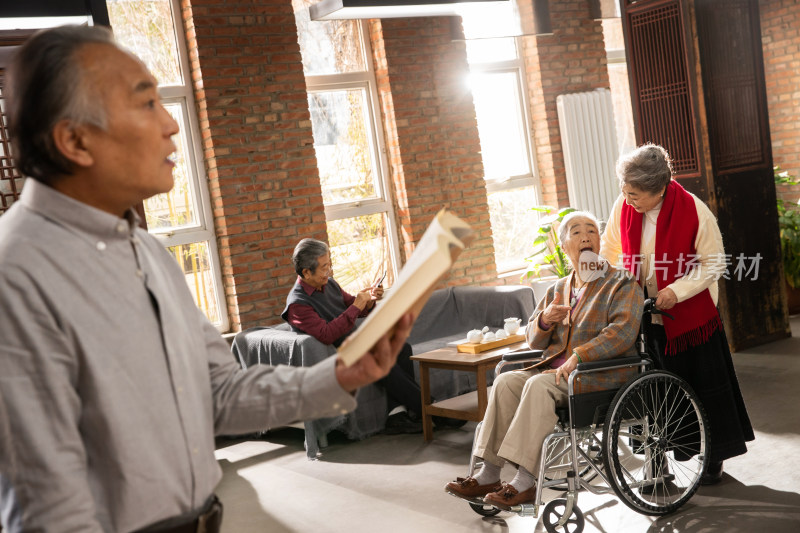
654	439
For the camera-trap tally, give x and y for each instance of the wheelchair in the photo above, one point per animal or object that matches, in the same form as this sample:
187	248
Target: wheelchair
645	442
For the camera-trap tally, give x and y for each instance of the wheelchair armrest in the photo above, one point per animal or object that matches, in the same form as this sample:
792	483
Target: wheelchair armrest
525	355
607	363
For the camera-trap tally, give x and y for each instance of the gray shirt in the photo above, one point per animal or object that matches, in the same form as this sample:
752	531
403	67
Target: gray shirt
113	382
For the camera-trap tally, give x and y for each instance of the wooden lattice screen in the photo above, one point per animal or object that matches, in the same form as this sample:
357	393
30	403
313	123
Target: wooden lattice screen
660	79
734	87
10	178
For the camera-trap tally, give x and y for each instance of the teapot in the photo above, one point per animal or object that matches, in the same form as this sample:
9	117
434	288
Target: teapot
474	336
512	325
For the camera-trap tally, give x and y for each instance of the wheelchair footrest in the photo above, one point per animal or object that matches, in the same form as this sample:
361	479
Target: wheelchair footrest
476	500
525	509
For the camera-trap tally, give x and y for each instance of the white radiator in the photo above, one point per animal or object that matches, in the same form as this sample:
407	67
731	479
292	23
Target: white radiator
589	143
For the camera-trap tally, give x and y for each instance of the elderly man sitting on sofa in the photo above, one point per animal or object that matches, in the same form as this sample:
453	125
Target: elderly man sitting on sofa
318	306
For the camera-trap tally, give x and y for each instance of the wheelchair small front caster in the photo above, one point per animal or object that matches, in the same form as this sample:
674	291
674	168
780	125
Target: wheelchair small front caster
484	510
552	514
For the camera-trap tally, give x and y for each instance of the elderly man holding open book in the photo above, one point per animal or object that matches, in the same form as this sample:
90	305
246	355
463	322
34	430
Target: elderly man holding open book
112	382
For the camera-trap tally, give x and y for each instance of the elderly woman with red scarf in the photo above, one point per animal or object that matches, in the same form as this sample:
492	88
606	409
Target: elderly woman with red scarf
669	239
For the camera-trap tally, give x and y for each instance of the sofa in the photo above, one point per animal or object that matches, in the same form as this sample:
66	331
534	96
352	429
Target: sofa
446	317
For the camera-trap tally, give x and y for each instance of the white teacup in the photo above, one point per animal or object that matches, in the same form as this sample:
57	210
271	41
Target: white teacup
488	336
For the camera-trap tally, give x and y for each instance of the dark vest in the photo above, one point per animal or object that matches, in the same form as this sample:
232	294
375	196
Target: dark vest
328	304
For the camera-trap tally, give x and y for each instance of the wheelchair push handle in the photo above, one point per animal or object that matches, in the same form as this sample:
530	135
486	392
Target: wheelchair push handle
650	307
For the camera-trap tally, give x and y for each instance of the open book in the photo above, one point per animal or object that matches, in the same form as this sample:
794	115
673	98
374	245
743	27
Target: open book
439	247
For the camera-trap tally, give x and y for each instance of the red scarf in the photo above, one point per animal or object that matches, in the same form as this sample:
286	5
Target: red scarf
676	229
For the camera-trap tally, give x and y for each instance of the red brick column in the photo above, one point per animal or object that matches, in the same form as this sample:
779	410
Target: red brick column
258	147
572	59
780	20
432	136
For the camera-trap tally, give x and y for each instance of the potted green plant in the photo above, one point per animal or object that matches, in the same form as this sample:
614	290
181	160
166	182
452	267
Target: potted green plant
789	224
548	261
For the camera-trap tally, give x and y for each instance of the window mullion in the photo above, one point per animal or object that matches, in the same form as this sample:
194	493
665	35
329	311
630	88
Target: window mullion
340	211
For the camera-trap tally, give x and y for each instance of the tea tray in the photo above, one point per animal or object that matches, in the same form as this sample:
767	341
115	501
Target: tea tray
480	347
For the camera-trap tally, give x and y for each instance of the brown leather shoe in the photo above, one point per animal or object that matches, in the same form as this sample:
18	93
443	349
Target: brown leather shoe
469	487
508	496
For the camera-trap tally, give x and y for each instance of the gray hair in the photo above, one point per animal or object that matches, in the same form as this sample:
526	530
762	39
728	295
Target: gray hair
563	229
46	84
648	168
306	255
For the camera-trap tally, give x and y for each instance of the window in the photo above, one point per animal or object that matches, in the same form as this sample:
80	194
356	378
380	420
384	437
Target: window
498	89
180	219
618	82
342	100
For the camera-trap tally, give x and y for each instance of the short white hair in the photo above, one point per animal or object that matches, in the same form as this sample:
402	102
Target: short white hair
565	223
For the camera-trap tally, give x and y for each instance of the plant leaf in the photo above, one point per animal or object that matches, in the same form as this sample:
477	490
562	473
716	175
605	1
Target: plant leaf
549	219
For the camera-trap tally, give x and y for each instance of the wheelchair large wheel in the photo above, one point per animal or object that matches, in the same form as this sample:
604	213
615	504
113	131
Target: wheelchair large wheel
559	458
655	442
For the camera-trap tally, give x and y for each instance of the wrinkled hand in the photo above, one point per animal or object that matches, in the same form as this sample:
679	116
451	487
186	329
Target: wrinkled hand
666	299
564	370
555	312
376	363
362	299
376	293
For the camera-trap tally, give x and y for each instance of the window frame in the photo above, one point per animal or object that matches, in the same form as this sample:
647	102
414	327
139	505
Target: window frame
532	179
383	202
516	67
203	229
616	57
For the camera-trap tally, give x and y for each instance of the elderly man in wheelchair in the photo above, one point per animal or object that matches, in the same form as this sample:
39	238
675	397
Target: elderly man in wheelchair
547	418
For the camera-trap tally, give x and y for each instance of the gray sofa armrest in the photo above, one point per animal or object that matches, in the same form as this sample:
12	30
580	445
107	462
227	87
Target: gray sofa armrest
278	345
490	306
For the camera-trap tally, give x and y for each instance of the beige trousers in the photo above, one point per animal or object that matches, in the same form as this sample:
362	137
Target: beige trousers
520	414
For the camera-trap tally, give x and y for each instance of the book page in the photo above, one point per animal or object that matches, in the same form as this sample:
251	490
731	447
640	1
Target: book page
438	248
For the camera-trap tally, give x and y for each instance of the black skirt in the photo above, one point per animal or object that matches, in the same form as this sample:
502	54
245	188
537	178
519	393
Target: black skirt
708	369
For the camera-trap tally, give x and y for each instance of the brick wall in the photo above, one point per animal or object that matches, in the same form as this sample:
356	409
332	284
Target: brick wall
258	147
572	59
432	136
258	143
780	36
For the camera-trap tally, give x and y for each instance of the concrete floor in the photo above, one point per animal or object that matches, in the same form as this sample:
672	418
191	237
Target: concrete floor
395	483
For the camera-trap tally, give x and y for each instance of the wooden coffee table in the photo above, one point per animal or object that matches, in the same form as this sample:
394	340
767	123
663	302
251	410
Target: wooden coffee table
470	406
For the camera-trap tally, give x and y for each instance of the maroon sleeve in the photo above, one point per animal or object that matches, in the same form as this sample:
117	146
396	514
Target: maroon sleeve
348	298
304	318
